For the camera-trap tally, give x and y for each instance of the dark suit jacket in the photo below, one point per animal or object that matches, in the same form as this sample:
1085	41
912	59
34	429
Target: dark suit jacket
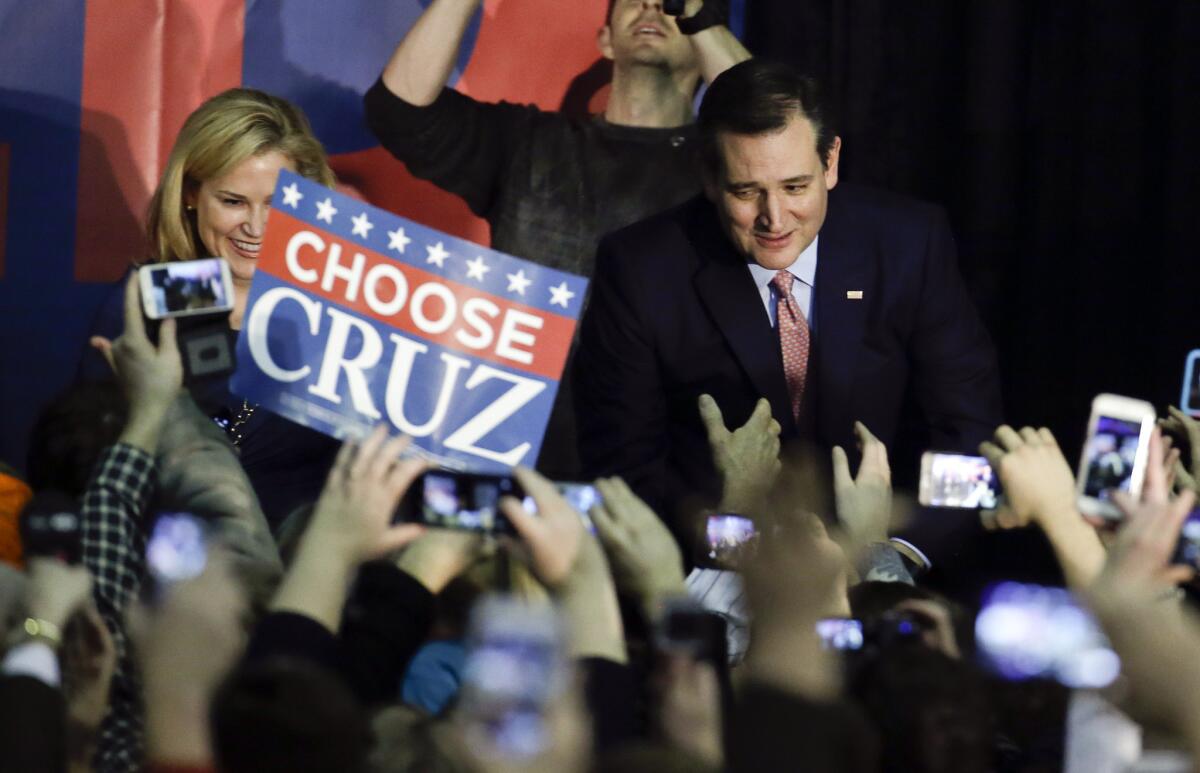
674	313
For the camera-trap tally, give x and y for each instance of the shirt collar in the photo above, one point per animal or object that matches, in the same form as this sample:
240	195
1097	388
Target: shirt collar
803	267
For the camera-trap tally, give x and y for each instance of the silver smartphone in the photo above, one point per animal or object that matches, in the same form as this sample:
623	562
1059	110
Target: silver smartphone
1189	396
1115	453
185	288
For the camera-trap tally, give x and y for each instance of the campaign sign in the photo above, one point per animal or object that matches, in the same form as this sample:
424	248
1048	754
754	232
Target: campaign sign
358	316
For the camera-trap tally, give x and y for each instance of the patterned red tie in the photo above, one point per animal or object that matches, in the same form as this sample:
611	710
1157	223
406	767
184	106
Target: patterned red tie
793	339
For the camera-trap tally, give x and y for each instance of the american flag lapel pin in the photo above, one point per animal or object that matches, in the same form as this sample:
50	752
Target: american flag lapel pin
854	295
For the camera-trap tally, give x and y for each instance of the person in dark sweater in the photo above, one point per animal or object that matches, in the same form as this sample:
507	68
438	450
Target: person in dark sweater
551	185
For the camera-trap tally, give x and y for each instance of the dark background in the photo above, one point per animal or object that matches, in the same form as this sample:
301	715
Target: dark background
1063	138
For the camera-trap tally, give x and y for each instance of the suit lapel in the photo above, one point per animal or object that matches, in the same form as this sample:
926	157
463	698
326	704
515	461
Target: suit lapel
727	291
845	266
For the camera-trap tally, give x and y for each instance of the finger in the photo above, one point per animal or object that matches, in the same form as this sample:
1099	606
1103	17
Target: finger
365	458
1126	504
987	518
774	429
166	336
135	326
1183	477
1007	438
993	453
397	537
1177	574
761	415
528	526
841	469
606	528
1030	436
1154	489
388	455
1047	437
864	435
104	346
341	463
404	473
714	422
537	486
1006	518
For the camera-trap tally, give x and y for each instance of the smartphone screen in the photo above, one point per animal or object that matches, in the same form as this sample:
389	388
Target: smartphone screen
465	501
1031	631
839	633
581	497
1187	550
955	480
1189	397
729	540
186	287
1111	456
177	548
515	669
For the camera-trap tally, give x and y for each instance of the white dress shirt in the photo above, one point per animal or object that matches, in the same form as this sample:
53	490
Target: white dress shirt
804	269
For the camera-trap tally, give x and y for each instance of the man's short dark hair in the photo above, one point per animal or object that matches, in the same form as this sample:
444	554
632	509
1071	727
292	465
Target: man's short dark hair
758	96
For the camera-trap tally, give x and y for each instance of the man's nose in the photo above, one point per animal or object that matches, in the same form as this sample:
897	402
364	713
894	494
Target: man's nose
770	212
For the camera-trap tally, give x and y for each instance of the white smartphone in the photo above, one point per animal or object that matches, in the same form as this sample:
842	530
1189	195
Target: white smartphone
956	480
185	288
1189	396
1115	453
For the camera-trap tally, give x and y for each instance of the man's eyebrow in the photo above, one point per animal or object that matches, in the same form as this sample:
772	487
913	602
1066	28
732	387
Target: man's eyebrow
802	179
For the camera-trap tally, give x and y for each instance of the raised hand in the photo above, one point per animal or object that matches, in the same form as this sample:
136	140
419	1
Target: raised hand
864	502
644	556
552	538
746	458
1187	432
1038	483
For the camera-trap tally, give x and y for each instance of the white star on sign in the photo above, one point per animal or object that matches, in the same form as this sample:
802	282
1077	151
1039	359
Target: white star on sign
398	240
362	226
326	210
437	254
561	295
477	268
518	281
291	195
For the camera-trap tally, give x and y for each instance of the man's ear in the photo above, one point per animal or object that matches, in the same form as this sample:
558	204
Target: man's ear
831	163
604	41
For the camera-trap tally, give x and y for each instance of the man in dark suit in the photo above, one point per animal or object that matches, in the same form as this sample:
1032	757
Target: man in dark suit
828	303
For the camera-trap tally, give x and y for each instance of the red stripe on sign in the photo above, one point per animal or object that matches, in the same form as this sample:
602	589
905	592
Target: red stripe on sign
5	157
419	303
146	65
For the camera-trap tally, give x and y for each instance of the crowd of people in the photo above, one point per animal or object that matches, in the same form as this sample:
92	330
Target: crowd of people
200	585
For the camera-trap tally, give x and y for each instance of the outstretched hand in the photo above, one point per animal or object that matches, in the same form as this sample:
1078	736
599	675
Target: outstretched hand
1038	483
645	558
864	502
747	458
1187	432
148	374
552	538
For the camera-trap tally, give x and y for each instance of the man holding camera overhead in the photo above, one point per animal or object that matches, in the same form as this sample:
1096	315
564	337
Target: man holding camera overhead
550	185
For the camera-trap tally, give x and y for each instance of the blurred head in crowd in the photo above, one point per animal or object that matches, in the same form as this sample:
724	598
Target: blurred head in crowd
71	432
283	714
216	190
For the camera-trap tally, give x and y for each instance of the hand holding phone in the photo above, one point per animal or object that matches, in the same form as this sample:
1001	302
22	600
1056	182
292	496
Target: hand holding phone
1115	453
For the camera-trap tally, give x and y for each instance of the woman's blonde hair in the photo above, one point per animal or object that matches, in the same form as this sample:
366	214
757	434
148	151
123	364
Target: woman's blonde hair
223	132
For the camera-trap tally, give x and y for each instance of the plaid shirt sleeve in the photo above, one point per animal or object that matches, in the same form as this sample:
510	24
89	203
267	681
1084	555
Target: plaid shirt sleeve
114	547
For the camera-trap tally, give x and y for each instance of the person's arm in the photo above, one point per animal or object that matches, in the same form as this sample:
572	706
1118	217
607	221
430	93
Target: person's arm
716	47
421	64
1039	487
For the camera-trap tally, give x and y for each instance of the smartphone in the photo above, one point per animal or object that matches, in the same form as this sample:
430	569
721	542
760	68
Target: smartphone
177	549
1036	632
729	539
956	480
185	288
581	496
515	668
1187	550
840	633
457	500
1189	396
1115	452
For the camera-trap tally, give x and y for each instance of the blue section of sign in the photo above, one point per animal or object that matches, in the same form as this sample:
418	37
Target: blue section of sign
478	267
298	50
291	346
